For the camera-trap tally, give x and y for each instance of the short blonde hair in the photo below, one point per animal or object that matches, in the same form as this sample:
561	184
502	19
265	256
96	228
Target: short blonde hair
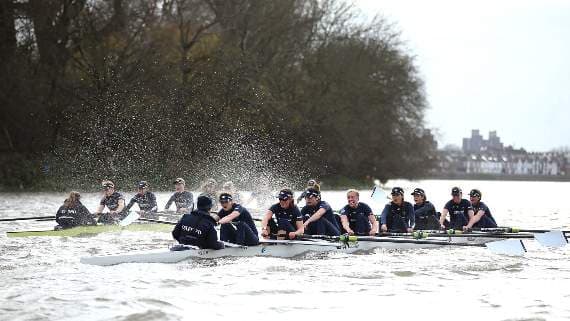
352	190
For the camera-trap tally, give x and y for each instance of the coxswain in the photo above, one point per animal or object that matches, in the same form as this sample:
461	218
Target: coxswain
357	217
318	215
114	201
183	200
145	198
288	216
398	215
482	217
459	209
198	228
426	216
72	213
236	223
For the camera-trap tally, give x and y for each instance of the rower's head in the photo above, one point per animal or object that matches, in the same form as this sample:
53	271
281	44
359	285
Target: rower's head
419	195
226	200
73	199
179	184
397	195
475	196
285	198
108	187
312	196
142	187
204	203
456	194
209	186
312	183
353	197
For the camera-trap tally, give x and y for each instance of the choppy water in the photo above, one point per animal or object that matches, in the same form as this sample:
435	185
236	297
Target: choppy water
41	277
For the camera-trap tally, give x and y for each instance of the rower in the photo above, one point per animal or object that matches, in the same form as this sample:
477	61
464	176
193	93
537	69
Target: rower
318	215
114	201
357	217
482	217
426	216
72	213
398	215
459	209
198	228
183	200
237	225
210	189
312	183
145	198
289	218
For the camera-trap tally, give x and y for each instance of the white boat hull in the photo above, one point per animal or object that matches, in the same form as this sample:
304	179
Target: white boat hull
271	248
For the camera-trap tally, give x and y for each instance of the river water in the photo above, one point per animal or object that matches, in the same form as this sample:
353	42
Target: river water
41	277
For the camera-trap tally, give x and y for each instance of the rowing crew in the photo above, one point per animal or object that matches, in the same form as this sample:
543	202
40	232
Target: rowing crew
286	221
74	213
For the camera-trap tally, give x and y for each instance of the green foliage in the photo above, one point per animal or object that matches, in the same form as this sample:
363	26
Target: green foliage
248	91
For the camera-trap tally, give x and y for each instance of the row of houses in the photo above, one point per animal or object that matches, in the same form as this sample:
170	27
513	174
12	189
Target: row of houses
505	163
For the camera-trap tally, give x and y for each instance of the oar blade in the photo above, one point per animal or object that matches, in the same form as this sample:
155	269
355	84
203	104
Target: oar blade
507	247
378	194
551	239
133	216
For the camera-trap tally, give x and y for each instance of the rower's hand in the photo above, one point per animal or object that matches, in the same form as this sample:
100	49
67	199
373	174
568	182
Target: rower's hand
441	226
466	229
410	230
264	232
384	228
372	233
292	235
350	232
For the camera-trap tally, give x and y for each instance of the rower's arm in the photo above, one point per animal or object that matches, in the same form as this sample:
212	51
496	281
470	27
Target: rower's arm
300	228
99	209
265	221
474	218
229	218
315	216
443	216
374	223
121	206
345	225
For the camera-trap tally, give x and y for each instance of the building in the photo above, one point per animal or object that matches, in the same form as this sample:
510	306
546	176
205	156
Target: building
476	143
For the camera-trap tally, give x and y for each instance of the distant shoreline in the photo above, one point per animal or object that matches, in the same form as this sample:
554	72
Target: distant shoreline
499	177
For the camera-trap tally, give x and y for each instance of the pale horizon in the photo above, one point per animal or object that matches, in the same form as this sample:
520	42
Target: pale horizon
493	66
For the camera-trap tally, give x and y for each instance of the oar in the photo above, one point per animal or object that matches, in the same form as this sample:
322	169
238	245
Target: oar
548	238
514	230
156	221
130	218
507	247
27	218
443	234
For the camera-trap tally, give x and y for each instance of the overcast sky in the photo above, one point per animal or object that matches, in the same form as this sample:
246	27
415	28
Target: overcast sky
499	65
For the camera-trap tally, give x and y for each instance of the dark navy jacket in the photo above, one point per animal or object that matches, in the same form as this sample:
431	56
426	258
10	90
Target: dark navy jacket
112	202
146	201
361	212
183	199
329	215
199	229
244	216
398	217
487	221
291	214
74	216
458	213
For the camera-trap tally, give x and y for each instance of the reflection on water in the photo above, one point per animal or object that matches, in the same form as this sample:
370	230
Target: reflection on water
42	278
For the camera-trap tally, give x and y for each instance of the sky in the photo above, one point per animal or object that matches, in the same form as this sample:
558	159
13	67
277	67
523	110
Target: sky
499	65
